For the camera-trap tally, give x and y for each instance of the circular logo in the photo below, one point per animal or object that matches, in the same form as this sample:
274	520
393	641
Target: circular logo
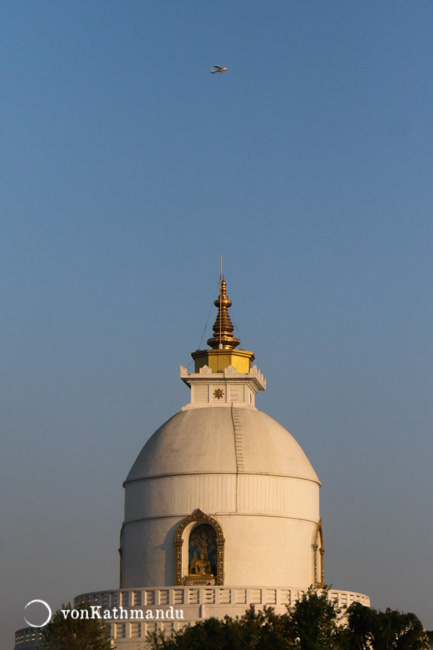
42	602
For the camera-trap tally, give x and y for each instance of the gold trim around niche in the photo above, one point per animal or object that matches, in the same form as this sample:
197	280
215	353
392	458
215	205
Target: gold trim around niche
319	546
199	517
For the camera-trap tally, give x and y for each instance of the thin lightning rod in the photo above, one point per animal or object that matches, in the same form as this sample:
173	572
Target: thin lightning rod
221	285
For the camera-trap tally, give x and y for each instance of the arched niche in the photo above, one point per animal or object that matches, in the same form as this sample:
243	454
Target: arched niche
196	535
318	553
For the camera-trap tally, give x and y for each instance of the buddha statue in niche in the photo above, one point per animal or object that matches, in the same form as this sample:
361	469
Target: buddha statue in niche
202	566
202	556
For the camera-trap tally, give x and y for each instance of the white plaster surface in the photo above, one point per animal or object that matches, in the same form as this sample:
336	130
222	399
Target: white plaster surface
242	468
201	440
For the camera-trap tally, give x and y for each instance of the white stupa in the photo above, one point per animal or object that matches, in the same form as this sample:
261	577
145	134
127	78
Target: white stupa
221	508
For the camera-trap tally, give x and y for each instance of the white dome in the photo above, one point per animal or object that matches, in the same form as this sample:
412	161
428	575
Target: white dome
202	441
220	460
243	469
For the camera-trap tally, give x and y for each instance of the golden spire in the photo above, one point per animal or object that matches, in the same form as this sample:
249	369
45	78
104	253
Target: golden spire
222	354
223	338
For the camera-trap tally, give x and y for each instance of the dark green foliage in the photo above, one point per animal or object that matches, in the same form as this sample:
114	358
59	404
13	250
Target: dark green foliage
361	623
75	634
314	623
311	625
258	630
389	630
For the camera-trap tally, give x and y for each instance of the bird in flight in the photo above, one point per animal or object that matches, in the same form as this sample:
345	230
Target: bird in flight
218	68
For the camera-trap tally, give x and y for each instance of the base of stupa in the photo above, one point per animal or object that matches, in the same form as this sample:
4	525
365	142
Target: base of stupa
131	614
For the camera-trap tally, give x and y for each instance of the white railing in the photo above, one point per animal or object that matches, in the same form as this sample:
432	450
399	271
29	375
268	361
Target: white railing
196	603
152	596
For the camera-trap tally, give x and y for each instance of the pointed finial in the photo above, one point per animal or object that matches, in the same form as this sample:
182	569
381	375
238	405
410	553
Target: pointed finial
223	338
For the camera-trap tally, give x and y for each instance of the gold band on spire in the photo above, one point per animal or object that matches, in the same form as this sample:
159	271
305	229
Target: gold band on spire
223	338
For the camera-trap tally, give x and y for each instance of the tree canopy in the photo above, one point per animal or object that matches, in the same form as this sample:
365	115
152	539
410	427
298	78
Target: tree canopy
388	630
66	633
314	623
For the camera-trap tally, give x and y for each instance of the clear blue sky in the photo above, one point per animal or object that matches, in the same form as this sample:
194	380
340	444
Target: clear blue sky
126	168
